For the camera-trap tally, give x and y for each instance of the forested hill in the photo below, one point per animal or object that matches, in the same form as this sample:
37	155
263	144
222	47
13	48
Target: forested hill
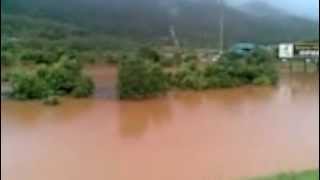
196	22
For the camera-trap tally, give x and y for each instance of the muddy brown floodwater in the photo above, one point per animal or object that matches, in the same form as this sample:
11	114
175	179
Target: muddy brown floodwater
210	135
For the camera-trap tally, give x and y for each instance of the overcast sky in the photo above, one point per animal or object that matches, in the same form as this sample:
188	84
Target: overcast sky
309	8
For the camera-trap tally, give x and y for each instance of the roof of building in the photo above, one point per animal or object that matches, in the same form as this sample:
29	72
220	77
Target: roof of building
244	46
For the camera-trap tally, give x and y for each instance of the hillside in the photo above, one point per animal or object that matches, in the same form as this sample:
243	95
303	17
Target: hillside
196	22
261	8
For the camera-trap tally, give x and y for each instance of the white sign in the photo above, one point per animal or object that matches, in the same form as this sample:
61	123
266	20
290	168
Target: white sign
286	51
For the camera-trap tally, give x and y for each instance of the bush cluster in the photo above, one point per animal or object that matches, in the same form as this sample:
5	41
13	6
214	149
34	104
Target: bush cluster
230	71
189	76
62	78
140	77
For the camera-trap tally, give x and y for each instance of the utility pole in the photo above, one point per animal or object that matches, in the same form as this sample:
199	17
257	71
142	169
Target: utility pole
174	37
221	26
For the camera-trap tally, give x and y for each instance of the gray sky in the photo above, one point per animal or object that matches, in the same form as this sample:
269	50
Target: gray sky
308	8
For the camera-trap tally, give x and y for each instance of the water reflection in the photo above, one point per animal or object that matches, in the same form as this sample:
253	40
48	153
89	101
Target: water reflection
297	86
31	113
24	115
219	134
225	100
136	117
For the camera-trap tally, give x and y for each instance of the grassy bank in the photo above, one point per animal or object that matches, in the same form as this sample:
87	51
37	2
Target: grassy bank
305	175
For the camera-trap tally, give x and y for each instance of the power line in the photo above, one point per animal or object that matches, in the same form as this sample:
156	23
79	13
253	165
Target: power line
221	26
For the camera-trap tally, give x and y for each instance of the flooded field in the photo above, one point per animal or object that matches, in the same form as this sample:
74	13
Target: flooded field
210	135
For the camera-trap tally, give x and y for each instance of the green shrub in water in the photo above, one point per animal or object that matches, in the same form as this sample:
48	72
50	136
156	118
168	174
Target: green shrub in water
27	85
230	71
62	78
190	76
138	78
84	87
262	80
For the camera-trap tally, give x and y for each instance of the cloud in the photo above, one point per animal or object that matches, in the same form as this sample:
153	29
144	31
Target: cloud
307	8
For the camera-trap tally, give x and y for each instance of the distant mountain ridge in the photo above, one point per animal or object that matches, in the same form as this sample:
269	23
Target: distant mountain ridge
261	8
196	22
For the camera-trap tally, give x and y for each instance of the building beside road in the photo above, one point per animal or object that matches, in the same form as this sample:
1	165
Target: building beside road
307	49
299	50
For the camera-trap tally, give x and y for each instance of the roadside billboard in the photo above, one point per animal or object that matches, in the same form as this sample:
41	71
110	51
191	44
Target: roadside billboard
286	50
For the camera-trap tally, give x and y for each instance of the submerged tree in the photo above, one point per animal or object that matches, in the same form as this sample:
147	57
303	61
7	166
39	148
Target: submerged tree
138	78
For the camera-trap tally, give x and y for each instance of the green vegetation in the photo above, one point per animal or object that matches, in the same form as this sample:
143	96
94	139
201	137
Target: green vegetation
144	74
27	84
61	78
7	59
140	77
43	34
306	175
189	75
149	54
262	80
34	33
258	69
31	40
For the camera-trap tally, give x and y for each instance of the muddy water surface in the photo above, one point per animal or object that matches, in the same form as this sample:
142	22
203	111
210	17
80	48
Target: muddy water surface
211	135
